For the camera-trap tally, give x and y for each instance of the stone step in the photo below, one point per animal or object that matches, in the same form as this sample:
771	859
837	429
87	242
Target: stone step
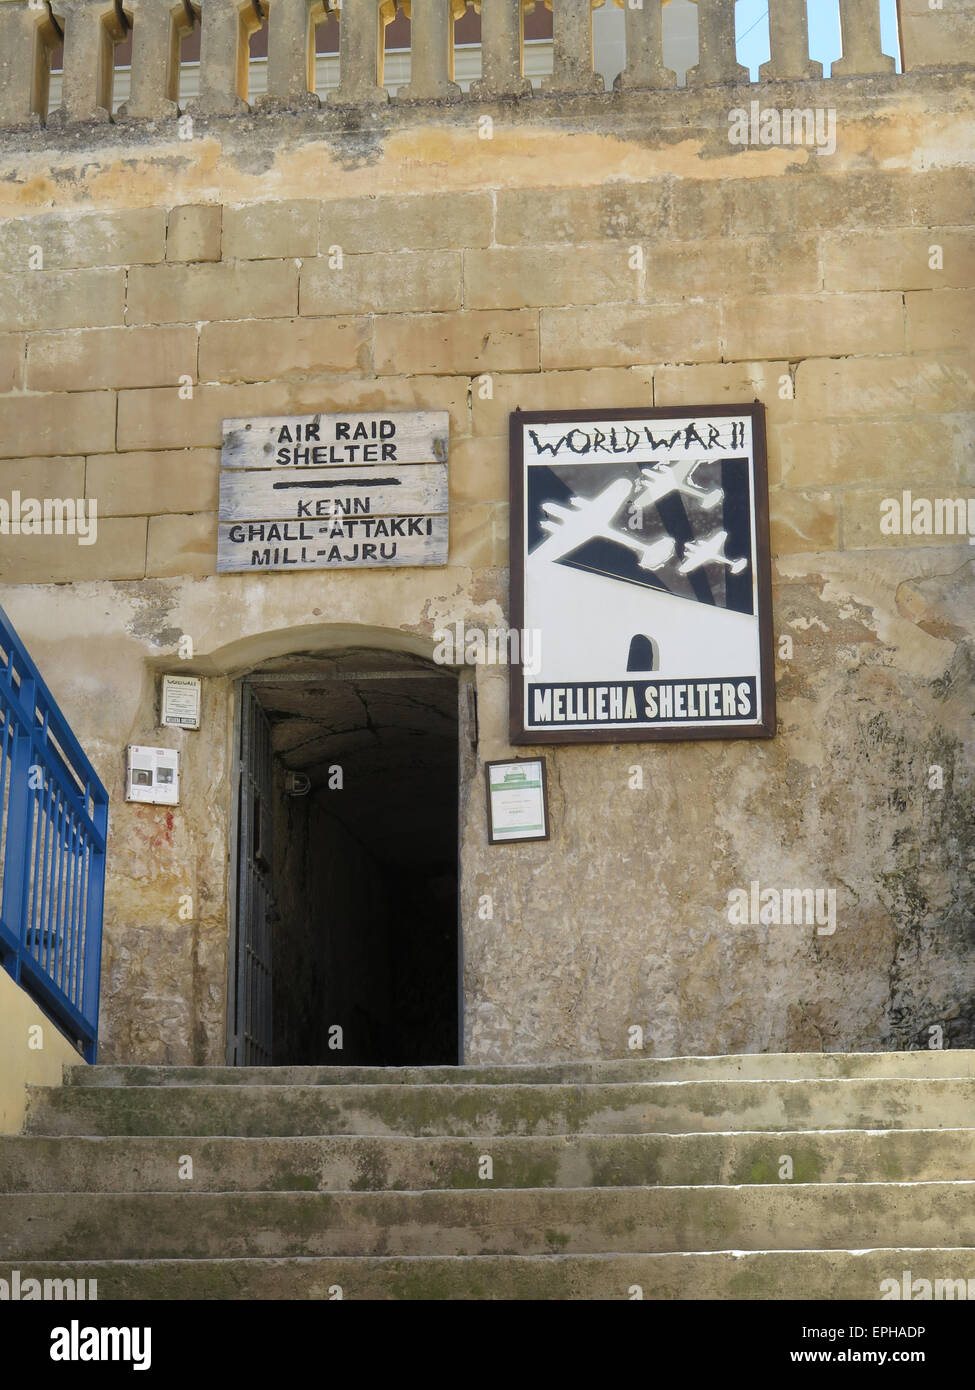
758	1066
765	1275
645	1220
397	1163
611	1108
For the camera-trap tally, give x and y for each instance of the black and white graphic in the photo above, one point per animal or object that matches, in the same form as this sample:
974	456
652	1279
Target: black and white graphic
640	560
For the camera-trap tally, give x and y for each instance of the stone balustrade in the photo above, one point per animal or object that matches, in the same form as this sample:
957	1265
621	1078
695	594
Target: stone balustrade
31	30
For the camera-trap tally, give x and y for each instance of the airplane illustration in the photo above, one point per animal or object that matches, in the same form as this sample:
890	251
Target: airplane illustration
585	519
660	480
710	548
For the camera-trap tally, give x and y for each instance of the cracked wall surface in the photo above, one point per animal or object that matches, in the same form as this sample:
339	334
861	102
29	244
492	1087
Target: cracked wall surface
480	275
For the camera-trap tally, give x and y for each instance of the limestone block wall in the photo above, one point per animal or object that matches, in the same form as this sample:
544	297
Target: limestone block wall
152	286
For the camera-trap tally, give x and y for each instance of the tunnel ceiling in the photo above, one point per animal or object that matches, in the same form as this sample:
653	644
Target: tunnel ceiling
393	732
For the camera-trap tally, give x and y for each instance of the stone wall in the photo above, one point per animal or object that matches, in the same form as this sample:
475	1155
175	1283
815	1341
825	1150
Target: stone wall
188	281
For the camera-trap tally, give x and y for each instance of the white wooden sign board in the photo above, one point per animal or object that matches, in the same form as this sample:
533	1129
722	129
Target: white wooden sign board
334	491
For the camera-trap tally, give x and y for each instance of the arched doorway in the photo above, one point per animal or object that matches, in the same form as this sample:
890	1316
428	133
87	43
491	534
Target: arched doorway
344	895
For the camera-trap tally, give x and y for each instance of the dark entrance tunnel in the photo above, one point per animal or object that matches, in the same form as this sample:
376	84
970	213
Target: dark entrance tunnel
364	861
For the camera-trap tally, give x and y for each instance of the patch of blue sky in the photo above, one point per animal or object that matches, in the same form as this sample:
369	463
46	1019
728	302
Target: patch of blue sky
751	30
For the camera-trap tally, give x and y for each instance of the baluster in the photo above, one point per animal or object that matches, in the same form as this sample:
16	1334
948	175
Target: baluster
789	42
572	69
502	69
644	48
432	51
860	27
291	53
86	85
360	44
156	33
21	47
717	61
224	57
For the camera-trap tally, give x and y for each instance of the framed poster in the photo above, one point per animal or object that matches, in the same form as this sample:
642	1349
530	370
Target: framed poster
517	800
640	568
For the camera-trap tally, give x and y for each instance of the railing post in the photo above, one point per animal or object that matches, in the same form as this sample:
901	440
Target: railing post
291	53
644	48
572	69
860	28
788	24
224	57
20	42
16	864
156	34
90	29
94	907
502	68
360	39
717	58
432	50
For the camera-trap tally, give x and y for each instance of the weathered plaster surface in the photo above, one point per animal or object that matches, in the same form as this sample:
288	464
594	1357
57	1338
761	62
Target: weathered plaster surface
621	919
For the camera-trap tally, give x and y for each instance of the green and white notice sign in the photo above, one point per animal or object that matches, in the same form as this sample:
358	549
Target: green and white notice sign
517	802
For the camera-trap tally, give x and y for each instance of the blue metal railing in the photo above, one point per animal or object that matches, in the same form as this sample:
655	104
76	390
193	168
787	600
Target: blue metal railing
53	827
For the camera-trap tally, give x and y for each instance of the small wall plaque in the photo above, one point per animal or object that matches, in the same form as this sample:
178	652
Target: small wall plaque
517	800
181	702
152	775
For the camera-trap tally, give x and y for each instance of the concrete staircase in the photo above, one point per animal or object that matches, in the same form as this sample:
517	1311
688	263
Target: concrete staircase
667	1177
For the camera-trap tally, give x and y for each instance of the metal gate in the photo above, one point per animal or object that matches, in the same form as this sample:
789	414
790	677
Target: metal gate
53	827
254	907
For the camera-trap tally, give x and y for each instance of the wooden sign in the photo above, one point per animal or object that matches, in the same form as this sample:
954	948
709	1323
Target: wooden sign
640	568
334	491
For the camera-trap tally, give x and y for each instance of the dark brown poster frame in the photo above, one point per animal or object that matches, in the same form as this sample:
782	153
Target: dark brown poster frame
518	734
